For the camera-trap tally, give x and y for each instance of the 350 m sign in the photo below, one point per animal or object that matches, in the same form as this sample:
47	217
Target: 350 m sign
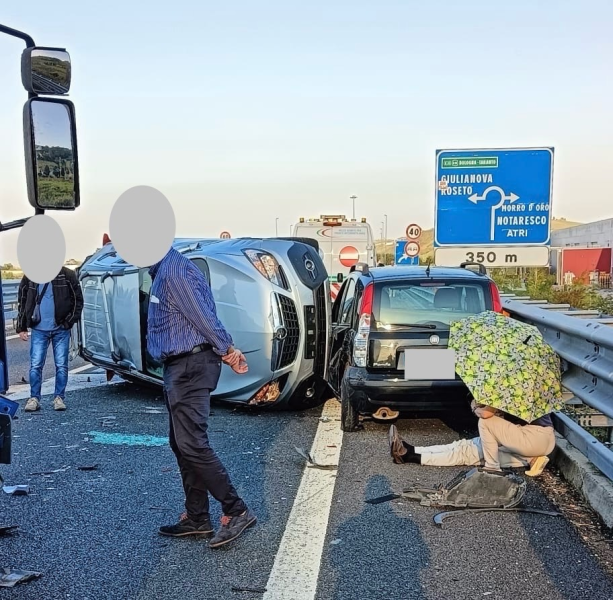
527	256
490	257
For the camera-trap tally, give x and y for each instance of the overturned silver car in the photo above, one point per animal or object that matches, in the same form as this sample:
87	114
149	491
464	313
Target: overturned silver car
271	294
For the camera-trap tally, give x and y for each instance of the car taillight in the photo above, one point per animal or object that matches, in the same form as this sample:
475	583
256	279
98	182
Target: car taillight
360	342
496	302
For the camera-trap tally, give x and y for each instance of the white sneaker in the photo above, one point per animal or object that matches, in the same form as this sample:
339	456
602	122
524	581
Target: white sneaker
32	405
537	466
58	404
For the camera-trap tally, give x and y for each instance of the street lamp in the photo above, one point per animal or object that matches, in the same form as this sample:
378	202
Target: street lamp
385	228
277	227
353	198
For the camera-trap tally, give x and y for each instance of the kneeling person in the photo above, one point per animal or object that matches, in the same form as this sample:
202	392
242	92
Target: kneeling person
502	443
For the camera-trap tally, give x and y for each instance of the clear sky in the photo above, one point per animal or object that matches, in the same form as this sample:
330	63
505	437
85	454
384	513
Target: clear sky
51	125
242	112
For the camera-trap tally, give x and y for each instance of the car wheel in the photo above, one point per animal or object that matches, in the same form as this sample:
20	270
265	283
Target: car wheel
350	417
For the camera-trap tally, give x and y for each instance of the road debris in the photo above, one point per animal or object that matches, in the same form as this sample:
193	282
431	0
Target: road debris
108	421
11	577
125	439
53	472
253	590
88	468
440	517
8	529
153	410
312	462
16	490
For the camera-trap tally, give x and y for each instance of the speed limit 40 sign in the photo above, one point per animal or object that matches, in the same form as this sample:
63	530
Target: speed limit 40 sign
413	232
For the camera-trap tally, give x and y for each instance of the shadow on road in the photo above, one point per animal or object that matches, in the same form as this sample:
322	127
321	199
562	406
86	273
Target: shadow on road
378	555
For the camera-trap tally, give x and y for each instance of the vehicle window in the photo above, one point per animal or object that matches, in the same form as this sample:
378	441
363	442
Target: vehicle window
204	268
438	303
346	309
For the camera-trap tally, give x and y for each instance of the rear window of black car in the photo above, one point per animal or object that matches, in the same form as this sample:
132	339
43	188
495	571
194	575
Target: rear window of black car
435	302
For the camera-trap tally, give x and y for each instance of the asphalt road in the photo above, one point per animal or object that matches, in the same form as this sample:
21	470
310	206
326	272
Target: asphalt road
93	534
19	362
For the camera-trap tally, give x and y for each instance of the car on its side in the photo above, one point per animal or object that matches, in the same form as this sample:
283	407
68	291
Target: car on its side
271	294
388	317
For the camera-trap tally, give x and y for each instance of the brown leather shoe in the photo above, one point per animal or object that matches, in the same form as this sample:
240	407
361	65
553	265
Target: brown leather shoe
397	449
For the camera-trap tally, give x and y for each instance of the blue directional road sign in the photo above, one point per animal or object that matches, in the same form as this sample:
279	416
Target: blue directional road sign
493	197
401	257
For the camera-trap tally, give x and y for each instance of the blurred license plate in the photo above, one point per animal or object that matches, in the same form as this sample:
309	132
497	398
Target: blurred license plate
429	365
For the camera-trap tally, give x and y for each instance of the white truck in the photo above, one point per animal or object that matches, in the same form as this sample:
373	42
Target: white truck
342	244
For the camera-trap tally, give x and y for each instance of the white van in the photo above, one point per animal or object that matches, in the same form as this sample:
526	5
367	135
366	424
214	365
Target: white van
342	243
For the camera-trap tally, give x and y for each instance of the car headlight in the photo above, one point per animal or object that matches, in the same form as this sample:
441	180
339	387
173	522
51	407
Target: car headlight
268	267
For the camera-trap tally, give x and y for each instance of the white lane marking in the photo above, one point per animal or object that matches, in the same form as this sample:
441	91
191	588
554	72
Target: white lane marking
81	368
76	381
12	337
295	572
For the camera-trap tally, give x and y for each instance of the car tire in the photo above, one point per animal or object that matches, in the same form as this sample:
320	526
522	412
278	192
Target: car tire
350	417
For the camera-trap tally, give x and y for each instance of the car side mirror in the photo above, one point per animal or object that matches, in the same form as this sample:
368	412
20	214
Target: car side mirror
340	278
51	154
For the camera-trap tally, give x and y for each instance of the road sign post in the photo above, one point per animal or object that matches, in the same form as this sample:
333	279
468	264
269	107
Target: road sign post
494	203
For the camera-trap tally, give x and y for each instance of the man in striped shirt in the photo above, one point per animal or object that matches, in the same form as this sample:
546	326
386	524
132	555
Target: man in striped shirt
185	333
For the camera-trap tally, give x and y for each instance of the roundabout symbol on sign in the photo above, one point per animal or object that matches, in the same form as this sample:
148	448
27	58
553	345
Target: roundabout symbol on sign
411	249
349	256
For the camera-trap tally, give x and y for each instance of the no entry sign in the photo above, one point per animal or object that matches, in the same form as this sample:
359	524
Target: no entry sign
349	256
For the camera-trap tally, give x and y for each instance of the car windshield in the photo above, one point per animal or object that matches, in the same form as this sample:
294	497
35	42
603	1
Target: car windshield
427	303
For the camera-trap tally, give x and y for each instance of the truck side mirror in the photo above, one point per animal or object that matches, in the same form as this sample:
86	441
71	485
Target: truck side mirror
50	140
46	71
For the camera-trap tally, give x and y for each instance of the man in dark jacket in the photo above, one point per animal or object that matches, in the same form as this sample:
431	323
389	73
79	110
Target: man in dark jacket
49	310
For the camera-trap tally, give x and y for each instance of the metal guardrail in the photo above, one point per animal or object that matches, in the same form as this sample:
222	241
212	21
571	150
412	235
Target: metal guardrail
9	295
584	342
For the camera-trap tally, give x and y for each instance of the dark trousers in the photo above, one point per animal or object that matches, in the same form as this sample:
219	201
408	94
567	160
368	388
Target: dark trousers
188	383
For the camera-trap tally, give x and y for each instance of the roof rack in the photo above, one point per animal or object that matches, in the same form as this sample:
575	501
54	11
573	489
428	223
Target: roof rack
482	269
361	267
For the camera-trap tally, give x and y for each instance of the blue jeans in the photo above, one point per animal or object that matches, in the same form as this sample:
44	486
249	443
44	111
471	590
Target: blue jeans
39	344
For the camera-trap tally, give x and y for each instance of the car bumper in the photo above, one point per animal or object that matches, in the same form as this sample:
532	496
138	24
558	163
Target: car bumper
370	390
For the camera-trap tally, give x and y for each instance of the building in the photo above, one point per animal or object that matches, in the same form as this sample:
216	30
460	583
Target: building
590	235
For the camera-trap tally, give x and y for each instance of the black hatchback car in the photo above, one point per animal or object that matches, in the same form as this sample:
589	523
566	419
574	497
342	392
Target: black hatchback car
390	332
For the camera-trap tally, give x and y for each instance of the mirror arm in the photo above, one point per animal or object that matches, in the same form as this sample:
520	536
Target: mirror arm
13	224
18	34
22	36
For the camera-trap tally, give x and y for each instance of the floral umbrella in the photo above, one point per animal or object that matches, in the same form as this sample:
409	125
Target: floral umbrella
507	364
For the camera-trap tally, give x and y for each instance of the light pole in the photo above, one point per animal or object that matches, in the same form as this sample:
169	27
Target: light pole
385	228
353	198
277	227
